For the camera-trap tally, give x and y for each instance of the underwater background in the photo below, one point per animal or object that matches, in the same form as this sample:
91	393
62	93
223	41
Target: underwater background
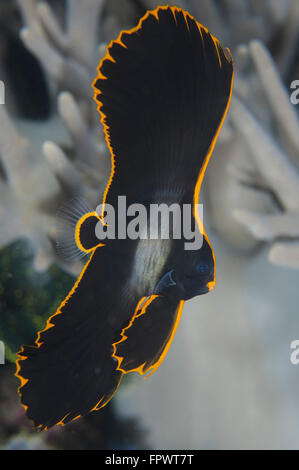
228	381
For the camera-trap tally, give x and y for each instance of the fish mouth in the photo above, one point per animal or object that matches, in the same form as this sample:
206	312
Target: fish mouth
189	294
203	290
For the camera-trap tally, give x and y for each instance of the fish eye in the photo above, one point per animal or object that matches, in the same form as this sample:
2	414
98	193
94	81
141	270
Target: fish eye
202	267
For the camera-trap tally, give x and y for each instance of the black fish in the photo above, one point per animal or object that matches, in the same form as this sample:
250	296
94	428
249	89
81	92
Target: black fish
163	90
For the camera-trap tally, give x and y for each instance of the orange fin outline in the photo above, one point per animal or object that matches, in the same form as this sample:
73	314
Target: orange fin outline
38	343
97	99
107	138
77	231
97	93
108	57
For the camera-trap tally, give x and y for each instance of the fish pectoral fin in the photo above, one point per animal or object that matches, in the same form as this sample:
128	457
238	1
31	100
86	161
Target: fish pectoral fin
76	233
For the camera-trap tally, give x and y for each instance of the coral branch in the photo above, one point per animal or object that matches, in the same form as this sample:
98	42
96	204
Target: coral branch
83	17
268	227
13	150
276	169
59	39
285	254
74	122
276	94
64	171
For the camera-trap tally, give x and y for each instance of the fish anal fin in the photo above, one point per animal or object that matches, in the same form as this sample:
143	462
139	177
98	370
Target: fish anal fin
146	340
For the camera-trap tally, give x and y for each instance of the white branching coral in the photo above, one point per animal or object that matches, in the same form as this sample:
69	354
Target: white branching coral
255	167
265	120
76	159
275	161
51	162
